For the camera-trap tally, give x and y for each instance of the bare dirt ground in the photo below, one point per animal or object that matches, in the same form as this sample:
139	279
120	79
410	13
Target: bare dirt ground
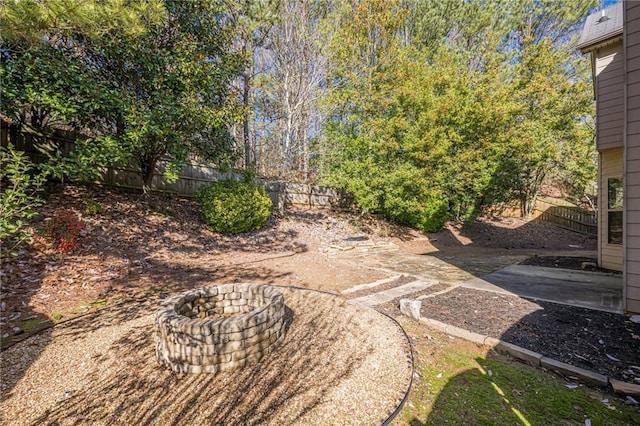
135	250
136	246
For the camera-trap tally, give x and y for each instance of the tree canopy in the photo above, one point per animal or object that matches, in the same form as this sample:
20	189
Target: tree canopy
442	115
143	80
424	110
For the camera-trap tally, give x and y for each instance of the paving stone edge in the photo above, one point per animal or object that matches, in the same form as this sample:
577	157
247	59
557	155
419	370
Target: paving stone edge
530	357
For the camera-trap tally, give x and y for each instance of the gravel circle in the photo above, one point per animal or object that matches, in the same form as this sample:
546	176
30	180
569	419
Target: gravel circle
339	364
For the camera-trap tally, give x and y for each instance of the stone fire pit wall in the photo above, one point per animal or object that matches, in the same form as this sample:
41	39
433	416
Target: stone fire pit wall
219	328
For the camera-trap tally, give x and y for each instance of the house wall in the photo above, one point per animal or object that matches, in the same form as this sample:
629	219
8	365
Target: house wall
632	155
611	166
609	68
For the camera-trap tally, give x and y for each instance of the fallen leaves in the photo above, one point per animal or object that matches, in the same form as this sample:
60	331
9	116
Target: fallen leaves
132	244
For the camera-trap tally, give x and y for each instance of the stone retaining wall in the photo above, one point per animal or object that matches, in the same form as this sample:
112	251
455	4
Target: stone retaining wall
195	333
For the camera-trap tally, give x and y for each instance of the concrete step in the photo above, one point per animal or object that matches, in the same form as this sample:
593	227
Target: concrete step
368	286
392	293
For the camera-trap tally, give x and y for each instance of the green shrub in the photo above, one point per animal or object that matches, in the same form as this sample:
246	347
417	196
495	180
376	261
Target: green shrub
409	200
403	193
21	183
233	207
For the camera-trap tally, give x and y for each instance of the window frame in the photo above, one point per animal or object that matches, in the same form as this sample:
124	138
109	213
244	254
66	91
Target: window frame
615	209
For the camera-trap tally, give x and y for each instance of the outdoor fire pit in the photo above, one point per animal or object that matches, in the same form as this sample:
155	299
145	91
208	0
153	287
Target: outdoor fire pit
219	328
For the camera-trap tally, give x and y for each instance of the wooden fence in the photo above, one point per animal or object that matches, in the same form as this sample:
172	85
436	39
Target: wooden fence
193	176
569	217
281	193
556	211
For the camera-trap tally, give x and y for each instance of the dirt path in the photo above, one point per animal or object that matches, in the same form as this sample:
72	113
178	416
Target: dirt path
133	247
135	251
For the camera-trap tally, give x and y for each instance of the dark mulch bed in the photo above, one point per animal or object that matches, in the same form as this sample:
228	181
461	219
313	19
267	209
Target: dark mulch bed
565	262
598	341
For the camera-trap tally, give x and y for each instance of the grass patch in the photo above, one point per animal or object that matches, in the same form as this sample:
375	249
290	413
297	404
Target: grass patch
100	303
461	383
34	324
28	326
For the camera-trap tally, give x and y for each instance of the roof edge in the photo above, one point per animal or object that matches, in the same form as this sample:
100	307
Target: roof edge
604	40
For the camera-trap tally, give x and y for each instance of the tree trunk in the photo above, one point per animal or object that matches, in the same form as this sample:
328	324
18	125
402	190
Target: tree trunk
530	197
147	169
249	154
529	206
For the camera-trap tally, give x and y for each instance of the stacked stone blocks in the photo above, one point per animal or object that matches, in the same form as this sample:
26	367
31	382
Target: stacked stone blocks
219	328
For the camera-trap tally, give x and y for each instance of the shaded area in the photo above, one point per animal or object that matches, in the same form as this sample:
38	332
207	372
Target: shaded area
129	243
599	341
474	397
135	247
12	369
459	382
567	262
331	349
20	283
471	246
593	290
511	234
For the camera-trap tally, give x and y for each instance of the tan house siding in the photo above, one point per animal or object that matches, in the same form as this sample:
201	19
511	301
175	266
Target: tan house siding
611	166
632	156
609	69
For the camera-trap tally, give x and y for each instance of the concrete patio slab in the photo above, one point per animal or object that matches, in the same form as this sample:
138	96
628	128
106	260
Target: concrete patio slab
593	290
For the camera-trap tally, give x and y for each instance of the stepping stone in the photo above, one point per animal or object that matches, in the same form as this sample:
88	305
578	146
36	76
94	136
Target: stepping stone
392	293
367	286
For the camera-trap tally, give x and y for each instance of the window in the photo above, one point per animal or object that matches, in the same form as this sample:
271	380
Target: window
615	187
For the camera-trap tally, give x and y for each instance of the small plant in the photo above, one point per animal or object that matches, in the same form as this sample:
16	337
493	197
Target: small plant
63	230
100	303
165	211
233	207
21	183
92	207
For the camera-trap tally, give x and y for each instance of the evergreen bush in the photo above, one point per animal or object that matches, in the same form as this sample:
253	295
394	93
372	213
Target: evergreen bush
232	207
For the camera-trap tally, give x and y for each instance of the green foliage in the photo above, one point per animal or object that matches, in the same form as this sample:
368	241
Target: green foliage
182	104
233	207
147	80
427	103
92	207
54	78
248	175
410	200
21	183
444	116
63	230
30	20
43	91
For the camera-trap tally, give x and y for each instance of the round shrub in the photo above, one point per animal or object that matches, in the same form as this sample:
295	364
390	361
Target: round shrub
427	213
233	207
